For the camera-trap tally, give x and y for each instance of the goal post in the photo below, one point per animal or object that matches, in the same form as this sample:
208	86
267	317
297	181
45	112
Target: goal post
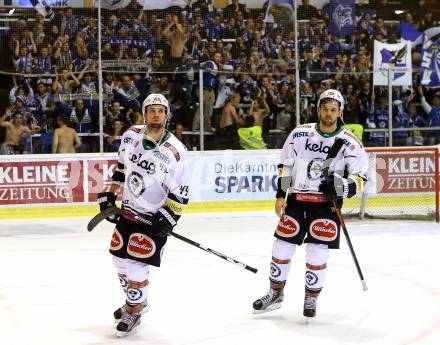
403	183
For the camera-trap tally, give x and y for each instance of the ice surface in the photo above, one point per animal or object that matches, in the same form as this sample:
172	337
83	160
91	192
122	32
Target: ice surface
58	286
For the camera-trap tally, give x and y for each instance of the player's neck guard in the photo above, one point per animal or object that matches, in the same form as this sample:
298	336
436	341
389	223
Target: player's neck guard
339	128
149	143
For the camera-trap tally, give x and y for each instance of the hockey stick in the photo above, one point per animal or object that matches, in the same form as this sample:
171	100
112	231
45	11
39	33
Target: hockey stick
108	212
332	153
117	211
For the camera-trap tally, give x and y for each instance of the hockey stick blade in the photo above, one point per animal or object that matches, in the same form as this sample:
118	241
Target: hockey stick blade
112	211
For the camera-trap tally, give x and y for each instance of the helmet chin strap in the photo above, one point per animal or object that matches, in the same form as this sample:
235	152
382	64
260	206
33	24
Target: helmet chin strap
341	120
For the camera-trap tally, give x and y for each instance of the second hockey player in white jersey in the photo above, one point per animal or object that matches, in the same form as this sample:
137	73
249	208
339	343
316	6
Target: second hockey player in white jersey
308	216
152	168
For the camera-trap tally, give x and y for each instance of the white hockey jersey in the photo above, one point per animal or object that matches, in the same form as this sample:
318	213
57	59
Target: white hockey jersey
306	149
152	175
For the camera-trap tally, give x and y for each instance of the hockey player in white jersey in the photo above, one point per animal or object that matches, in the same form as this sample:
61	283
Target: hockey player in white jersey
304	200
152	168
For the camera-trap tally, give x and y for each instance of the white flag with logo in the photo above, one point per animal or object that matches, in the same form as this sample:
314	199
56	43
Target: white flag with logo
112	4
162	4
43	8
395	58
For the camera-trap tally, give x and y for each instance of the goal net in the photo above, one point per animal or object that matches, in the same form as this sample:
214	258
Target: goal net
403	184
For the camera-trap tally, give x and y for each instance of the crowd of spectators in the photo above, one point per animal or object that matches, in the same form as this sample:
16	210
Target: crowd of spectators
248	79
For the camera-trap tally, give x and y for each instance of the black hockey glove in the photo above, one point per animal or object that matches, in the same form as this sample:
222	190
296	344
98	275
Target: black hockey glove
107	200
163	222
336	187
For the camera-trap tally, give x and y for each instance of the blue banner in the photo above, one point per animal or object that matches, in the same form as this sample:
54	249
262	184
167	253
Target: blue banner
342	14
409	32
430	75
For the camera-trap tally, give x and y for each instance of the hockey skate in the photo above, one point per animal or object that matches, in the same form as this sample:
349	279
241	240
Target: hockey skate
128	324
271	301
119	313
310	306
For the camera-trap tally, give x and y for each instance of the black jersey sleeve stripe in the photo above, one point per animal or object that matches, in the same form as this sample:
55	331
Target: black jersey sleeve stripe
178	198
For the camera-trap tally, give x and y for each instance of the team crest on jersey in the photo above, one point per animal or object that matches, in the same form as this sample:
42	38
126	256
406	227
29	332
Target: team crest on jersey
287	227
324	230
136	183
116	242
314	168
141	246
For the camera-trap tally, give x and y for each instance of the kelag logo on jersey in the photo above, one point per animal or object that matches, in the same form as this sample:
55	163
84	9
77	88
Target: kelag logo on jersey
316	148
144	164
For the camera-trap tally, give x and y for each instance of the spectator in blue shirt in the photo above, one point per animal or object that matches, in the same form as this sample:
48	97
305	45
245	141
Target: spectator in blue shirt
378	119
333	47
210	84
79	116
400	120
128	94
433	112
216	28
415	120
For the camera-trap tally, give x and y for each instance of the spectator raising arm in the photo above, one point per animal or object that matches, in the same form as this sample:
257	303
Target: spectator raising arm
425	105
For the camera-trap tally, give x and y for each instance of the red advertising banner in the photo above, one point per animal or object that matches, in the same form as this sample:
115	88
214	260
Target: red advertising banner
41	182
100	172
406	172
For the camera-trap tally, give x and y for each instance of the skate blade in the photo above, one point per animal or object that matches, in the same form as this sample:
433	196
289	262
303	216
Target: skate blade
121	334
273	307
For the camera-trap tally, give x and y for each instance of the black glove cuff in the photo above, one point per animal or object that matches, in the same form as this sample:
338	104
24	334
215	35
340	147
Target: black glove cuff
106	197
